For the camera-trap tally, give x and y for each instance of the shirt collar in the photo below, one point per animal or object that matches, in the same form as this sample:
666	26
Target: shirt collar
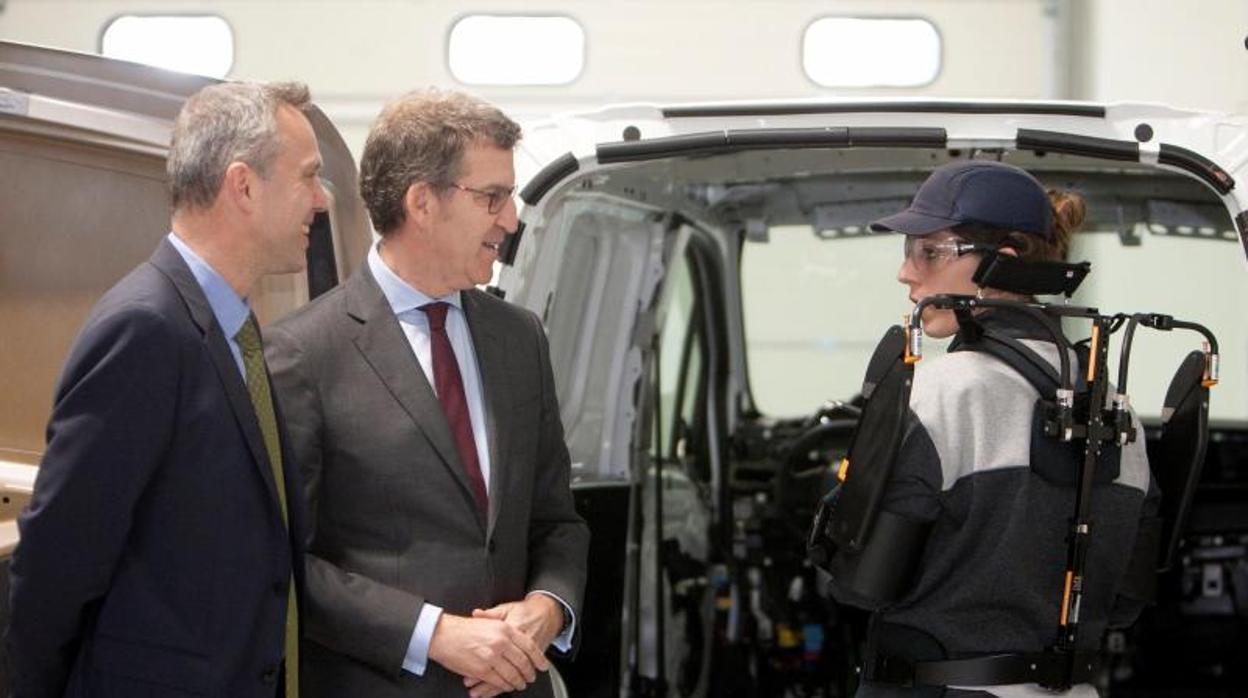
228	307
400	294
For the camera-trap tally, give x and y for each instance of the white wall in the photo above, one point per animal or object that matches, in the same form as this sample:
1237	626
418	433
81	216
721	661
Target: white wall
1187	53
355	54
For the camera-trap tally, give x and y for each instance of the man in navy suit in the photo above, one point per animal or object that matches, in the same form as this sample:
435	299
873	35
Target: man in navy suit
160	554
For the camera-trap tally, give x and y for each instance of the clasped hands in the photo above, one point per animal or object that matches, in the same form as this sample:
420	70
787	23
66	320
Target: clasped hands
498	649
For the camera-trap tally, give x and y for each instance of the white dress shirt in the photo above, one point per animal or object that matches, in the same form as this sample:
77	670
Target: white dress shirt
406	301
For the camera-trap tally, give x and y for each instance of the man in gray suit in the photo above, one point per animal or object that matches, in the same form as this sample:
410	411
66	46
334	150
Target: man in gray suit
422	412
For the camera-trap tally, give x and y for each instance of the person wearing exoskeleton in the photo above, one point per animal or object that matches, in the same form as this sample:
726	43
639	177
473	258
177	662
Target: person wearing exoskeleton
997	526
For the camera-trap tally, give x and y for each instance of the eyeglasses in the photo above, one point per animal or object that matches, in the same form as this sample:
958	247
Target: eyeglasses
929	253
495	197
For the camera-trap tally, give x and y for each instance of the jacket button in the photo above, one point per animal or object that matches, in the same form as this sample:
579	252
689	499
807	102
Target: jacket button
491	546
269	676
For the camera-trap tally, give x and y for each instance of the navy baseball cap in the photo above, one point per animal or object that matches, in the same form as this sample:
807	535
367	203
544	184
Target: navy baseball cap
975	191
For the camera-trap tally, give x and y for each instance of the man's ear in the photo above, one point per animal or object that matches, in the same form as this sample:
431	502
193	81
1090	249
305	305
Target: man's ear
420	203
239	186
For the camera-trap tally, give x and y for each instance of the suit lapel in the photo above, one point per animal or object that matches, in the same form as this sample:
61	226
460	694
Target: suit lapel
388	353
169	262
491	362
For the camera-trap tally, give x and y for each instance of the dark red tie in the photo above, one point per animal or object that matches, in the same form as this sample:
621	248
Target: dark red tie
450	387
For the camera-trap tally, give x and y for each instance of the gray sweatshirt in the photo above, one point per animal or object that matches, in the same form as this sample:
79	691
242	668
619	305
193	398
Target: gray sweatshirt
991	576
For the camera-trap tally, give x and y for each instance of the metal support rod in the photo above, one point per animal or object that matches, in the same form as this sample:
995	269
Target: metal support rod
1081	525
1039	311
637	525
1165	323
660	664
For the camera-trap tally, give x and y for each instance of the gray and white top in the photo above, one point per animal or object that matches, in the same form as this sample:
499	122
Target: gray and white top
991	576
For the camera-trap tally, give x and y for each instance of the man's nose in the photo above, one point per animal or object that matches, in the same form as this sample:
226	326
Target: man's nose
509	216
320	197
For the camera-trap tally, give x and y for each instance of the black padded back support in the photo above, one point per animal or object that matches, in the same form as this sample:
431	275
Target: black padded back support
1184	436
874	447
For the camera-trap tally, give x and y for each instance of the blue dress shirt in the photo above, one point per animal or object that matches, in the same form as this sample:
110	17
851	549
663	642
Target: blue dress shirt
406	301
228	307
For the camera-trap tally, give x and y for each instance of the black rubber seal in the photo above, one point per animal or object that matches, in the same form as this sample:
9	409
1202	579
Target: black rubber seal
784	108
1058	142
548	177
1242	221
322	271
749	139
712	142
1198	165
511	243
880	137
667	146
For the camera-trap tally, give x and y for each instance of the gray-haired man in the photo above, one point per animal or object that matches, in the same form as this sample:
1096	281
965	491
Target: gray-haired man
159	549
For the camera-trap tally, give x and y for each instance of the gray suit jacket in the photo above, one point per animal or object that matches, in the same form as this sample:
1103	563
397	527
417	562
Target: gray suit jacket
392	521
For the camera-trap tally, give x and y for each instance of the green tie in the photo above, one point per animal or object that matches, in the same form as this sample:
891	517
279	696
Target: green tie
248	339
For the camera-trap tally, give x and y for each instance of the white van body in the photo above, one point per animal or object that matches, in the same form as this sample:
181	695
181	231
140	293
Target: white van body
712	293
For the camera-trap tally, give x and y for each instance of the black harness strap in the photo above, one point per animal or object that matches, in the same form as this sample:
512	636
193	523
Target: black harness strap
1018	356
1042	668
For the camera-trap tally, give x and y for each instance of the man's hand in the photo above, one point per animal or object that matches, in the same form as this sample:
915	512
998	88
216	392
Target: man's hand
495	656
538	616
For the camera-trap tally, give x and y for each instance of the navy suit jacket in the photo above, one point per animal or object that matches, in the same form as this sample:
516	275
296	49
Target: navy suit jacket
153	558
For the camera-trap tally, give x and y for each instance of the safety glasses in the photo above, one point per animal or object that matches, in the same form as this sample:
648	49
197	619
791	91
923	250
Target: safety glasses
927	254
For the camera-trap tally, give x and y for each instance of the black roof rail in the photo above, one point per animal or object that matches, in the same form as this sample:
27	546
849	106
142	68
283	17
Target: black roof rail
935	106
1072	144
666	146
711	142
549	176
1197	164
1242	221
